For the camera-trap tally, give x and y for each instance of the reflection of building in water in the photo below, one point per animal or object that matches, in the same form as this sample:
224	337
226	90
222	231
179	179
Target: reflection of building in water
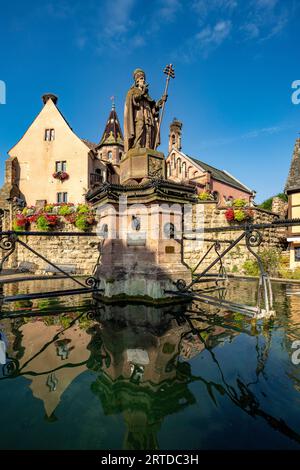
64	348
138	353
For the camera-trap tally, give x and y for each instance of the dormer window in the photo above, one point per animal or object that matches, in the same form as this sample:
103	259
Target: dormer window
109	155
49	134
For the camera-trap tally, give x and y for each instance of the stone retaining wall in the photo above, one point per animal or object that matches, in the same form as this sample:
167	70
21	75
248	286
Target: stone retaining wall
235	259
81	251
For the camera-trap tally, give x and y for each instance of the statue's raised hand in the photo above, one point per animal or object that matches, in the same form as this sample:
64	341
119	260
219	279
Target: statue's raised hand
162	100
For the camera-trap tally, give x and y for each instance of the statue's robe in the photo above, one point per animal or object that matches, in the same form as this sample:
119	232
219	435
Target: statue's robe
136	110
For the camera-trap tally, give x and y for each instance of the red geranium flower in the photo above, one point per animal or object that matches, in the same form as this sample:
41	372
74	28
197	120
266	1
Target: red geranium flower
32	218
51	219
229	214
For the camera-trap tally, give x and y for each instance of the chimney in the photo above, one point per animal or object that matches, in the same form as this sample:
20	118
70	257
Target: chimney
49	96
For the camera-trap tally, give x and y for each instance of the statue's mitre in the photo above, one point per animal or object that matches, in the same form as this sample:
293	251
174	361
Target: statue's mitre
138	73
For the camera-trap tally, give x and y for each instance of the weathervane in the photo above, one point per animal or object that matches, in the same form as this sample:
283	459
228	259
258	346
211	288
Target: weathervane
170	72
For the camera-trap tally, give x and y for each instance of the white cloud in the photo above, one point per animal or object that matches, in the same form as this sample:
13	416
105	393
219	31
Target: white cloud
204	7
205	41
169	9
214	36
265	19
118	18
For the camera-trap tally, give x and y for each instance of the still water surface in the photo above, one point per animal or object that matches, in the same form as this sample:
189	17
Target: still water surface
83	375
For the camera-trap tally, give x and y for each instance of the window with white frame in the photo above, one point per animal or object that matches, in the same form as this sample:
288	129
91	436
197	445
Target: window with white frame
61	166
61	197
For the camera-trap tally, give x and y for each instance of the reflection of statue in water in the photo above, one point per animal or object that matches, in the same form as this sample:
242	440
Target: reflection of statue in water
141	115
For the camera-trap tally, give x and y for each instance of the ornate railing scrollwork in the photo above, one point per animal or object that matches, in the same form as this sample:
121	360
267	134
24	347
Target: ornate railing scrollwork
11	368
92	282
253	238
8	244
181	285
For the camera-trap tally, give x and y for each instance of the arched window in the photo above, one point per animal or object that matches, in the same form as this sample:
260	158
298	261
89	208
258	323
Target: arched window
179	165
168	169
109	156
173	160
184	169
173	139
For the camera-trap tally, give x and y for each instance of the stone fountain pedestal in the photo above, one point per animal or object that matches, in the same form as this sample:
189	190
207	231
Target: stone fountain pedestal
142	245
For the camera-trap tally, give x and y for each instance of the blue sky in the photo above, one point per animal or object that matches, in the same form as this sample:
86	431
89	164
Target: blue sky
235	61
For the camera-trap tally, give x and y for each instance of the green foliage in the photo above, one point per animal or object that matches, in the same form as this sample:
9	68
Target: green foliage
65	210
204	335
83	209
234	269
42	224
238	316
81	222
289	274
22	304
250	268
49	208
204	196
16	227
239	203
267	204
282	196
270	258
239	215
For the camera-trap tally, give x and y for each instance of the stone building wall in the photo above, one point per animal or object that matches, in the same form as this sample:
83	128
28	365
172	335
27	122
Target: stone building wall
235	259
